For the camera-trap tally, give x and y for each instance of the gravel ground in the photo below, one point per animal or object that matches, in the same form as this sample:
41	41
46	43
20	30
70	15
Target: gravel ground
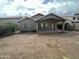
40	46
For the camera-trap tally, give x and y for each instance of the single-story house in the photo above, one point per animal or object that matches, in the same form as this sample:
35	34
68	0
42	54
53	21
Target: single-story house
41	23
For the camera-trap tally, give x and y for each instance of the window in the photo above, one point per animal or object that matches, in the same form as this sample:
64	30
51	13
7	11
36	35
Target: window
77	18
52	26
44	25
74	18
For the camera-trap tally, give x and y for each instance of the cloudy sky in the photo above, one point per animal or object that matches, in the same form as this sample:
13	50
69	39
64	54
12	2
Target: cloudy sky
31	7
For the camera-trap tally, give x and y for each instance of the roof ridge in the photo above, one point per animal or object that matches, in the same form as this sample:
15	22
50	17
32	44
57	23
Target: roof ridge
36	15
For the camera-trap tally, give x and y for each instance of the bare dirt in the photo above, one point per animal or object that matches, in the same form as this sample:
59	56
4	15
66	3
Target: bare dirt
40	46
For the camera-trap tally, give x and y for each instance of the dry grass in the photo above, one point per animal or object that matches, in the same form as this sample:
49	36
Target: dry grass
40	46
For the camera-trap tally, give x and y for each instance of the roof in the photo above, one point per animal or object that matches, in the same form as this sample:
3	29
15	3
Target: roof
67	16
76	14
24	19
53	16
77	21
35	16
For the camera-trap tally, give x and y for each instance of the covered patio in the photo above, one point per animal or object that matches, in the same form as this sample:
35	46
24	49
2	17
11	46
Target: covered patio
49	23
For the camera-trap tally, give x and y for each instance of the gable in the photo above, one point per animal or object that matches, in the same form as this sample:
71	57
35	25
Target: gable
37	16
26	19
27	22
51	16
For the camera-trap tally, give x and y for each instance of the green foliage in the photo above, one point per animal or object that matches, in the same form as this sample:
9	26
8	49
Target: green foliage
59	25
7	28
68	26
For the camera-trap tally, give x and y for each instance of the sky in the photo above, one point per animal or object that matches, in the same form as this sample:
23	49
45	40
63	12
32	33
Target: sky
31	7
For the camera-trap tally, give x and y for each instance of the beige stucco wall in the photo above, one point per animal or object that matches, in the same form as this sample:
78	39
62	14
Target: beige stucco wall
77	26
69	18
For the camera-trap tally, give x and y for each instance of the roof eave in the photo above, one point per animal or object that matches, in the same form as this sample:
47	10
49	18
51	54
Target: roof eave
24	19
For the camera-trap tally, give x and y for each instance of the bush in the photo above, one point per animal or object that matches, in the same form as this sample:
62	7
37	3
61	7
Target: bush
8	28
68	27
59	25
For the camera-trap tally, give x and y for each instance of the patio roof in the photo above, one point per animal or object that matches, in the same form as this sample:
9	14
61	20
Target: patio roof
51	16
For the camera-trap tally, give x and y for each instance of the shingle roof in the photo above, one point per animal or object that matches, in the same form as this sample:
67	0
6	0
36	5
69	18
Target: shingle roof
42	16
35	16
24	19
54	16
76	14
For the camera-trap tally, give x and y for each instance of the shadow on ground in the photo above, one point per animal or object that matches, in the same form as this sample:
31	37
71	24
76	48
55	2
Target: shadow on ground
59	34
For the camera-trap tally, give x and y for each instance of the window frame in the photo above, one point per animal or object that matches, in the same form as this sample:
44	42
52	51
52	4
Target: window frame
44	25
74	18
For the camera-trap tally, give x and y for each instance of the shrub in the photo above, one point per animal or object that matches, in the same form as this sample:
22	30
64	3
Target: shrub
68	27
59	25
8	28
1	29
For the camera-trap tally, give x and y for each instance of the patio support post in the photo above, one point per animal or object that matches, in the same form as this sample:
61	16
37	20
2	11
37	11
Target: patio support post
54	26
74	25
37	27
63	27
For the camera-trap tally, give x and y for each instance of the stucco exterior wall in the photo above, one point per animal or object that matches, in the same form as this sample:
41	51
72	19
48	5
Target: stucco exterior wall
77	26
68	18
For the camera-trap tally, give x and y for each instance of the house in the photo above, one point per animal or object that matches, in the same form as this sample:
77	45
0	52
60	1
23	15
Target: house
74	20
41	23
68	18
4	20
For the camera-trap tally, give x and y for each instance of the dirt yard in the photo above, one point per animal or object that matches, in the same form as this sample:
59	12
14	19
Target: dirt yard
40	46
